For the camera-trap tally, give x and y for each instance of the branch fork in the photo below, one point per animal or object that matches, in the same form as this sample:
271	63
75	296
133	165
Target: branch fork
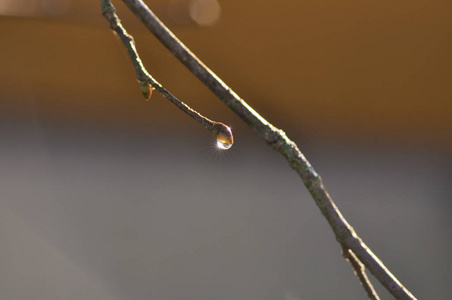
353	248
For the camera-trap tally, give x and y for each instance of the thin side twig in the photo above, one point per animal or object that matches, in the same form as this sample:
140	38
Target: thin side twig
219	130
360	272
277	139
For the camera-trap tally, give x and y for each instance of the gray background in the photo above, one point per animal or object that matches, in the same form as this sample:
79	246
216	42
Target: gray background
90	213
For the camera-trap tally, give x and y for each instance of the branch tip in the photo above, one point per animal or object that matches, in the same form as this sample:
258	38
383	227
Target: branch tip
147	83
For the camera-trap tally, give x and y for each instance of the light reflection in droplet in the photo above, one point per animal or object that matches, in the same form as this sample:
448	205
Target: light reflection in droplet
223	145
223	134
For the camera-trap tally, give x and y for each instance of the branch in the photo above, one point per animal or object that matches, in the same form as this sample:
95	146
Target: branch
278	140
360	272
222	132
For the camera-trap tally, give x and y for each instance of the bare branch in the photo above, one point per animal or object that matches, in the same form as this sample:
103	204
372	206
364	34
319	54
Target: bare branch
360	272
276	138
222	132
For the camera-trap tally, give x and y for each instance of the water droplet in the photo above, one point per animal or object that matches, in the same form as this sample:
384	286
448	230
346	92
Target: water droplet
223	134
223	145
146	90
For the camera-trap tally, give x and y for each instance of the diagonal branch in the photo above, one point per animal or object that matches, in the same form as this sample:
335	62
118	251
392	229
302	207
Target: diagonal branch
278	140
221	132
360	272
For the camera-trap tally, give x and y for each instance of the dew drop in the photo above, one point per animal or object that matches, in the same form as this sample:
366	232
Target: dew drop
222	145
146	90
223	134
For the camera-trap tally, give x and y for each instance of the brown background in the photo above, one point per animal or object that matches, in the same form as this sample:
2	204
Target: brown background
356	70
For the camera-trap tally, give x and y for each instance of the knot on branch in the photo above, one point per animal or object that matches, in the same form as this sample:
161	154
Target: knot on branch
276	139
313	180
107	7
109	12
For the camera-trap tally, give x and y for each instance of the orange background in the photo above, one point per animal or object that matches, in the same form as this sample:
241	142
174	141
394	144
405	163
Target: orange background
373	71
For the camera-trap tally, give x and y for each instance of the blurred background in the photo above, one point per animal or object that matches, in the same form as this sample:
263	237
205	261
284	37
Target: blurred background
106	196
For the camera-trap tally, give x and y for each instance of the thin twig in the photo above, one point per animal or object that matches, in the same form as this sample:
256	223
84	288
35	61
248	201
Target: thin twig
276	138
222	132
360	272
